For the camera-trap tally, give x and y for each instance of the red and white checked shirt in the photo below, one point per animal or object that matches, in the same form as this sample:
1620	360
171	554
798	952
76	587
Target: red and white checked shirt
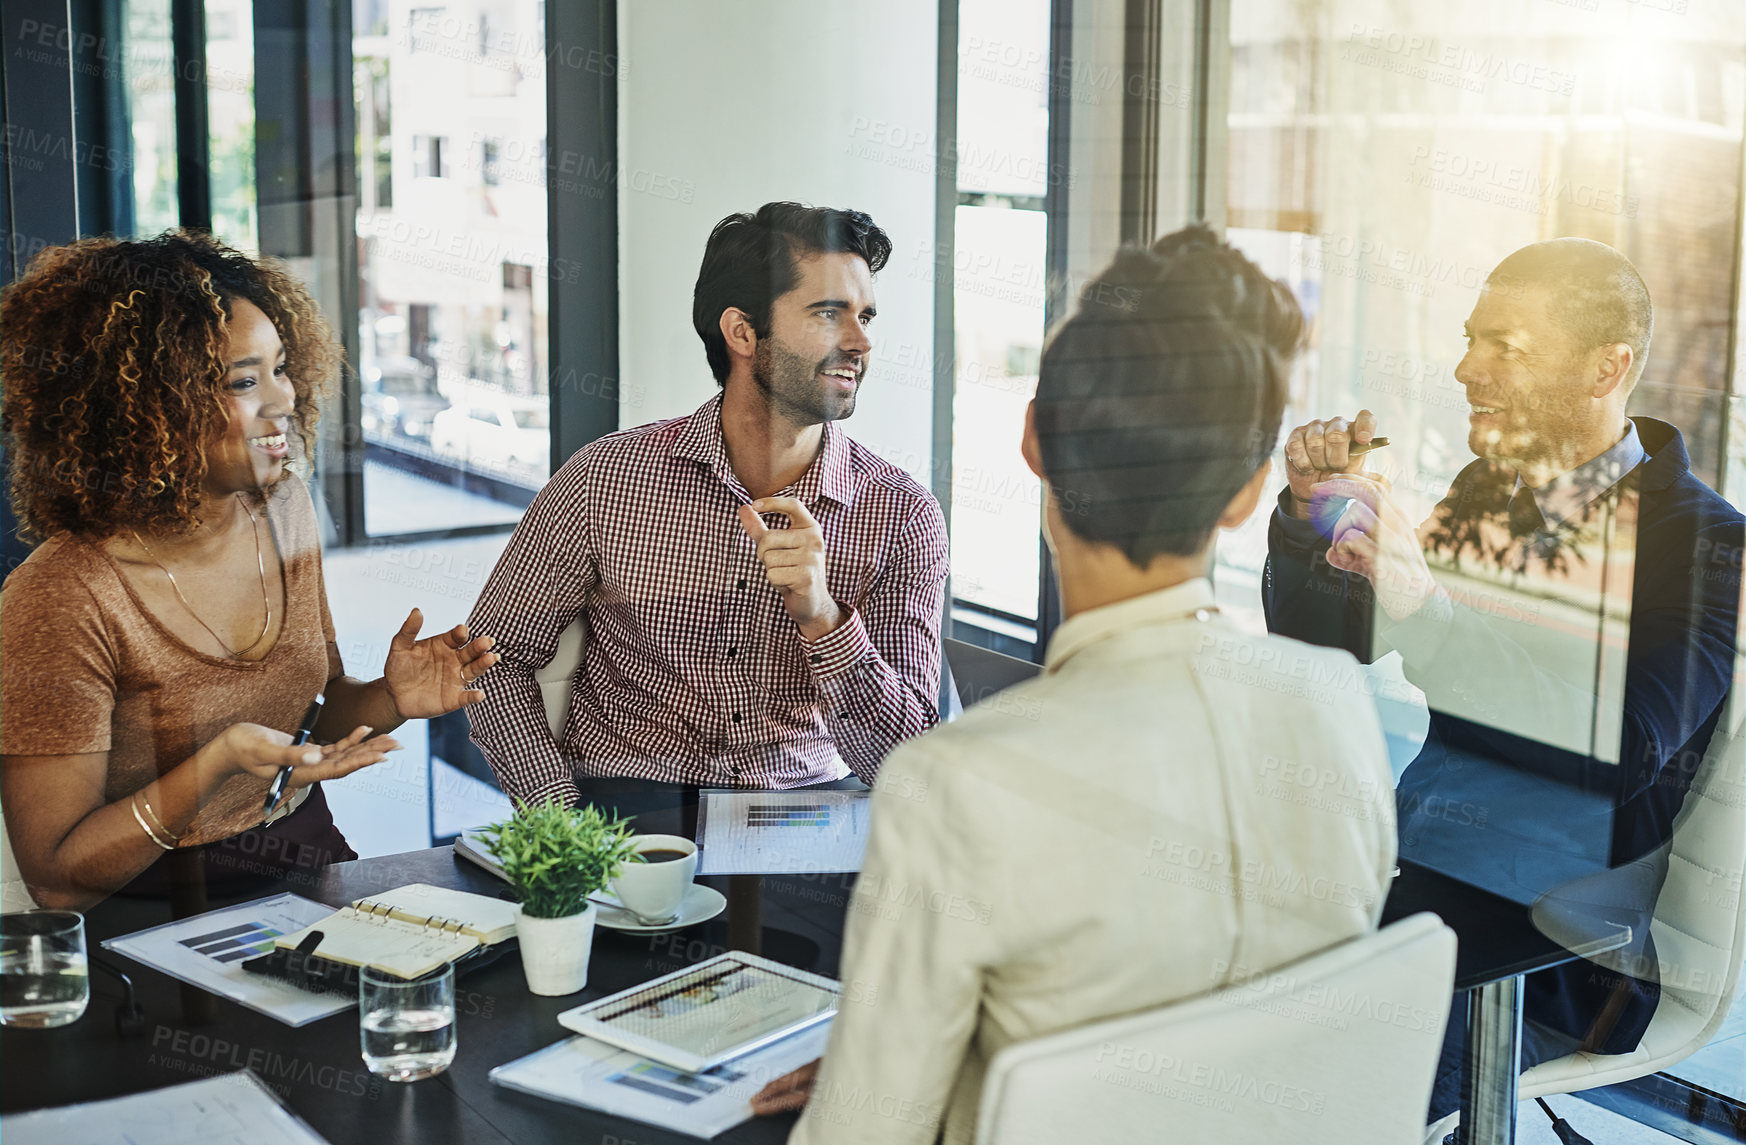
693	671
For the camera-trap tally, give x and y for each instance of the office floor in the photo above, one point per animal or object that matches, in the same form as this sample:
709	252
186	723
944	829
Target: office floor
459	802
1721	1065
1601	1126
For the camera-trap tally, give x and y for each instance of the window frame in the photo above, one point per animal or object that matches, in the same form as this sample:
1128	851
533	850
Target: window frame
1167	178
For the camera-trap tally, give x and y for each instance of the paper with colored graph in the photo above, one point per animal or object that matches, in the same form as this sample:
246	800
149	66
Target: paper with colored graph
208	951
781	832
594	1075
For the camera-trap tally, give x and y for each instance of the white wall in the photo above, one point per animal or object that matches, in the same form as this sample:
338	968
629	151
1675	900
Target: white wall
722	110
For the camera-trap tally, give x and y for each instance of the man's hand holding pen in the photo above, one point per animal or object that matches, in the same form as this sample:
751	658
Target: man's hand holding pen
1319	450
1368	533
1376	540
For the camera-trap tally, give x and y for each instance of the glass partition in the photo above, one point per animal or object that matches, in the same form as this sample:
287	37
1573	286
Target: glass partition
1383	159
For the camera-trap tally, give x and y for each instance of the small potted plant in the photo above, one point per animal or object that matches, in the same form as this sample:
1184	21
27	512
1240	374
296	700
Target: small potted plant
554	858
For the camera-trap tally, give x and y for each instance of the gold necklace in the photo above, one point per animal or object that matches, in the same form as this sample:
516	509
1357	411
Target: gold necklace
260	563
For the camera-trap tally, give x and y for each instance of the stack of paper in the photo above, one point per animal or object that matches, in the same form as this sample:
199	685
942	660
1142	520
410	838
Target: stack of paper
594	1075
209	950
233	1108
781	832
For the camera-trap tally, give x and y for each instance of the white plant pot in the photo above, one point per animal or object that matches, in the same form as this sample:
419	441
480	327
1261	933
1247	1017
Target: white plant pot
554	951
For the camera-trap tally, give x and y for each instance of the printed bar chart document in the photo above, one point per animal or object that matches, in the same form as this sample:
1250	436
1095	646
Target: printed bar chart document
781	832
208	951
594	1075
235	1107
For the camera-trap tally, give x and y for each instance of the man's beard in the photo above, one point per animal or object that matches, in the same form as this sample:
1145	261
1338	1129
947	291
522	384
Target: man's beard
1544	434
792	386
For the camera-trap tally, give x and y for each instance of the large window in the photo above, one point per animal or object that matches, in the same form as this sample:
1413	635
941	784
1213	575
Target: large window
999	273
230	113
151	115
1382	167
451	228
1383	160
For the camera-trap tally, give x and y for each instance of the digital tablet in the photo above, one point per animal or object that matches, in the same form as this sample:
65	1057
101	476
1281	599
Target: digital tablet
697	1018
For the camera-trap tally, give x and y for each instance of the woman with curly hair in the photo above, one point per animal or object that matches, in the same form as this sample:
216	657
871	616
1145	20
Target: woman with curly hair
164	641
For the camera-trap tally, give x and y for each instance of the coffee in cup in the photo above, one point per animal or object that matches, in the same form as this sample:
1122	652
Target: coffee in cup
653	885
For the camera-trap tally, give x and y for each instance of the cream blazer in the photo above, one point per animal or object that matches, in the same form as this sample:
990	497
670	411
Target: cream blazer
1172	806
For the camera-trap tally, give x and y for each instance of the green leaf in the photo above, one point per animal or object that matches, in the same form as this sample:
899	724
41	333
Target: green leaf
555	857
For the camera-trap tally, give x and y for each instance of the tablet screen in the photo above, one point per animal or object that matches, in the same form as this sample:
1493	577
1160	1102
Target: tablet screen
717	1010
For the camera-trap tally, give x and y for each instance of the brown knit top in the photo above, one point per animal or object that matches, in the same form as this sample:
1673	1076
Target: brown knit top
86	667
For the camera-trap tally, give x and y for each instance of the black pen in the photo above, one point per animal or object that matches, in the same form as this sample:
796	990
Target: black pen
298	740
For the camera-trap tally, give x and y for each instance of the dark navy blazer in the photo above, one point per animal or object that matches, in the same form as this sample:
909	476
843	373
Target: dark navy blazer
1685	599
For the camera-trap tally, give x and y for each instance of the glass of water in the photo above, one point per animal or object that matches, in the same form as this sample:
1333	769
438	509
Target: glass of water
407	1026
44	979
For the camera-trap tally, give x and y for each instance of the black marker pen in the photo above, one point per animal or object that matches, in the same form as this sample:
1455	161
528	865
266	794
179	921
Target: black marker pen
298	740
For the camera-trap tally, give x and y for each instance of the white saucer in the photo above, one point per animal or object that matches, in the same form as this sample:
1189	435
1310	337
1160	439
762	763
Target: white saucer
700	904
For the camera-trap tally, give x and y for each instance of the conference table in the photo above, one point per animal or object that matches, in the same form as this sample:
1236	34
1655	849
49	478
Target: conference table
183	1033
1498	944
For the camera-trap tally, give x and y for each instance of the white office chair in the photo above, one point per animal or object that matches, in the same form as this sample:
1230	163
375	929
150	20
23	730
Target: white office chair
14	895
1699	925
1337	1047
1700	933
555	678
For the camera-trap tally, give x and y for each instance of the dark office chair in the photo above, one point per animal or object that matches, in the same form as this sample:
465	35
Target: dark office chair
950	708
979	674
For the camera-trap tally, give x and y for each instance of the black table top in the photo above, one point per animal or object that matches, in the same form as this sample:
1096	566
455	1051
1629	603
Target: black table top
1496	938
317	1069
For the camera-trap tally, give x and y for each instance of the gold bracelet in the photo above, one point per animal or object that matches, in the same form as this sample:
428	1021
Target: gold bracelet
133	804
168	834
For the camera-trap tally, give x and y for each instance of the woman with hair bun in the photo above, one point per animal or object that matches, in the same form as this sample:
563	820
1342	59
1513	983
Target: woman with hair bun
160	647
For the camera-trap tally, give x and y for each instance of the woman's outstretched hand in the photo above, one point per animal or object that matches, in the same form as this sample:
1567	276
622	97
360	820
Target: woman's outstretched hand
261	751
434	676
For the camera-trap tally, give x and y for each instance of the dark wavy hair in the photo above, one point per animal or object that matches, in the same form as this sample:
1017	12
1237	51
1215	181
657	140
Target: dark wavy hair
113	370
750	260
1162	394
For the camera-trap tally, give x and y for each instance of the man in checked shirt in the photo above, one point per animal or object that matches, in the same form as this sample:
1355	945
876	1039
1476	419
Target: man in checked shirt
761	595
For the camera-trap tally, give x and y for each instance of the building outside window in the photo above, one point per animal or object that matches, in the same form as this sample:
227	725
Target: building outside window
452	264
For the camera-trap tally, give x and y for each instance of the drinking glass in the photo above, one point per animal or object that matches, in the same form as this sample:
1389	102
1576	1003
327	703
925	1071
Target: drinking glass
44	979
407	1026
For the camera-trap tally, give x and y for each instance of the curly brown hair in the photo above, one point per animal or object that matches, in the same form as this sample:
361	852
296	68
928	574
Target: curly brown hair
113	371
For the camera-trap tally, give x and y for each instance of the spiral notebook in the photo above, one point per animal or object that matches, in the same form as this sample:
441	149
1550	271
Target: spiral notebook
408	931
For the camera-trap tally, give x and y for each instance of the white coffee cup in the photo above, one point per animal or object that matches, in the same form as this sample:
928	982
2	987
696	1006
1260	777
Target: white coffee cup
653	891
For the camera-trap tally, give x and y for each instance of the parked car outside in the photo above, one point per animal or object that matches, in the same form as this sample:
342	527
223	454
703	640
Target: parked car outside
400	398
491	430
